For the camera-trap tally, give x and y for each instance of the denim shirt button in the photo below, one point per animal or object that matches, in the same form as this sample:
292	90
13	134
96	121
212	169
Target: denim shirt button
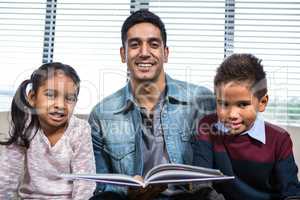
174	159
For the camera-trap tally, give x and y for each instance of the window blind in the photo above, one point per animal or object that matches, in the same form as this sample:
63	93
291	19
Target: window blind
195	37
21	44
270	29
200	34
88	37
199	31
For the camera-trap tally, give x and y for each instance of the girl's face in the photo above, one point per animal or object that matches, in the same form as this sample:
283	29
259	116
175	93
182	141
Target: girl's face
54	101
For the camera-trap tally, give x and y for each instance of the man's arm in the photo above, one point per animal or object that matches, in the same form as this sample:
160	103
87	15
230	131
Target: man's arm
201	144
205	101
203	104
102	159
203	157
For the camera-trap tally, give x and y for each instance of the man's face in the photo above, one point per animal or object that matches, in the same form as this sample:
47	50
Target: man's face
237	107
144	53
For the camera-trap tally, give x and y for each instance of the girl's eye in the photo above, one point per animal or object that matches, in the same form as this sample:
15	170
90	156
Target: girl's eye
71	98
50	94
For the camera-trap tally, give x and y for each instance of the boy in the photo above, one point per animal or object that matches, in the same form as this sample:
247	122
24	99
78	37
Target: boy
239	143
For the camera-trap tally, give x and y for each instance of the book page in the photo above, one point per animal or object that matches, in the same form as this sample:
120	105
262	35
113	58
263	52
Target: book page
118	179
189	180
178	173
181	167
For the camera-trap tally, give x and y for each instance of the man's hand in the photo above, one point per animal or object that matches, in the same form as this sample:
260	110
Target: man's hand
147	193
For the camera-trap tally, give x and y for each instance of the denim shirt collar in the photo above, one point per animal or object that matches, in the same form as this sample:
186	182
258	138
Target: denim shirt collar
172	95
257	131
128	100
172	91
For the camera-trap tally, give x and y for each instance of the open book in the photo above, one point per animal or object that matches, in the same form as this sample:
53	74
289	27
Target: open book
161	174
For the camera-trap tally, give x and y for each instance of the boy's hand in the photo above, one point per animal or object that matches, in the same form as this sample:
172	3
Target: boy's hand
147	193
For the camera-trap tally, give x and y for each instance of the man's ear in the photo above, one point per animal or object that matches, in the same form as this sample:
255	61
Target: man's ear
31	98
263	103
123	54
166	54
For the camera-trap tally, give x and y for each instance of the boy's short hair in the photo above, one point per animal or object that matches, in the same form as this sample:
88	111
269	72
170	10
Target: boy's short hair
141	16
243	68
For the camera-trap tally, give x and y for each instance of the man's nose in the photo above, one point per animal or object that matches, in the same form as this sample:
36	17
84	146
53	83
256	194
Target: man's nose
145	50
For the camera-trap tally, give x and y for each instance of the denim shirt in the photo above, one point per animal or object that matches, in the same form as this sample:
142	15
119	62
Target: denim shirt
116	135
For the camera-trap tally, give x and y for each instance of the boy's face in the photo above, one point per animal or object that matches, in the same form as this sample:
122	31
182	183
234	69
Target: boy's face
237	107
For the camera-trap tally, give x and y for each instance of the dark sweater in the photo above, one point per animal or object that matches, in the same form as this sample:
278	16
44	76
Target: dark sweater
263	171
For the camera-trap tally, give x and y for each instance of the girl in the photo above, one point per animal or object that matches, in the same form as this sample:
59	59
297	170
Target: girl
47	138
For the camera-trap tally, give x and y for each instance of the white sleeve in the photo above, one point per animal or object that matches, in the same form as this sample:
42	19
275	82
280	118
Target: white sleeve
83	161
12	162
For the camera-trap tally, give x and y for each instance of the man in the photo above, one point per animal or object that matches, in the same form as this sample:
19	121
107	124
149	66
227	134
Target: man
150	121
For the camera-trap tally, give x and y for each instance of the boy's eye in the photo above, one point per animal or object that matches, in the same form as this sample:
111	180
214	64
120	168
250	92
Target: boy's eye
222	104
243	104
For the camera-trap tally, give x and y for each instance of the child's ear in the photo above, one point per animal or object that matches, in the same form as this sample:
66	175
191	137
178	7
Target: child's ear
263	103
31	98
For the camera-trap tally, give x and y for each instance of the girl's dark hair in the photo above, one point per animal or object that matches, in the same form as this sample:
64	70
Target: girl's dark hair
243	68
23	115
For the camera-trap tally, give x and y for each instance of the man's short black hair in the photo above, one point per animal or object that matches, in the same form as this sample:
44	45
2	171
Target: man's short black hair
243	68
141	16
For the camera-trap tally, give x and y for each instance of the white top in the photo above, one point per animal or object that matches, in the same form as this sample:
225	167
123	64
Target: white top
43	165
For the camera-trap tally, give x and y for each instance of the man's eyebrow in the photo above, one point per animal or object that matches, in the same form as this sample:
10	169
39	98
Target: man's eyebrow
133	39
157	39
154	39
